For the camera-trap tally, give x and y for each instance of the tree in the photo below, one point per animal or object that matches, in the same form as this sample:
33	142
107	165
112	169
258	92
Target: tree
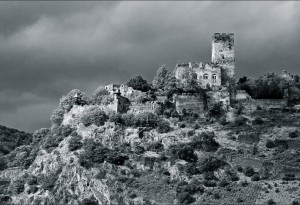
146	119
161	77
163	126
75	142
57	116
67	101
99	95
93	115
138	83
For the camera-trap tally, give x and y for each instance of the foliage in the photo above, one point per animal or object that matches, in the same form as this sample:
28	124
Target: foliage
99	95
75	142
216	110
18	186
155	147
294	134
93	115
205	141
239	121
3	164
89	201
182	151
48	181
257	121
146	119
67	101
210	164
52	141
128	119
255	177
138	83
116	158
115	117
249	171
161	78
12	138
270	86
57	116
163	126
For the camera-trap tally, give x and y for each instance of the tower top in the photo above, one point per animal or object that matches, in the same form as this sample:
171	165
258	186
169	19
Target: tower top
223	37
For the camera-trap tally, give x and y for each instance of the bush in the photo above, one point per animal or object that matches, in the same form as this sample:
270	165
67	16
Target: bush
67	101
51	142
239	121
128	119
138	83
99	95
248	171
182	151
57	116
258	121
216	110
223	183
211	163
185	198
163	126
155	147
94	115
205	141
116	158
90	201
294	134
18	186
75	142
255	177
271	202
270	144
146	119
3	164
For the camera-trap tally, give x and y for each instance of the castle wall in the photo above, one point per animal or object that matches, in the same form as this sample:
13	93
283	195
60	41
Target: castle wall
252	104
142	107
189	102
210	70
217	96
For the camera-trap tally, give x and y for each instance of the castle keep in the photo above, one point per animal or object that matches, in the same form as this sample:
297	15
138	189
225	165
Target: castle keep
221	71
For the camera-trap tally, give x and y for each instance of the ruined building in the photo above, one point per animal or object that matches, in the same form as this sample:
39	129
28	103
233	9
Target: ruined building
219	72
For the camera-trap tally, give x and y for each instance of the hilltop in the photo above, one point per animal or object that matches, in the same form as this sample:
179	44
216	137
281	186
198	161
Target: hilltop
156	143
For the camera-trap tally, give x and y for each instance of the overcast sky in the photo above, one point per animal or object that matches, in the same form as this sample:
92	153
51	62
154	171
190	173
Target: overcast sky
49	48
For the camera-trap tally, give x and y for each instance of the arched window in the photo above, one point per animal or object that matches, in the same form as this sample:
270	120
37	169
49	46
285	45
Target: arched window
205	76
214	78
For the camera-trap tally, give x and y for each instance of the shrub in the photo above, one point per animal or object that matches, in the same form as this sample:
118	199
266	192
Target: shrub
116	158
211	163
257	121
146	119
239	121
185	198
155	147
89	201
18	186
75	142
115	117
138	83
289	177
51	142
255	177
248	171
182	151
223	183
3	164
163	126
205	141
67	101
99	95
270	144
57	116
128	119
48	182
271	202
216	110
295	202
94	115
239	168
294	134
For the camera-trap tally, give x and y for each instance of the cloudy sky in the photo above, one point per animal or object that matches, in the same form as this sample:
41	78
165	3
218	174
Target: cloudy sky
49	48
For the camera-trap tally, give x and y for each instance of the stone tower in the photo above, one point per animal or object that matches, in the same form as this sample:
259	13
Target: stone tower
223	55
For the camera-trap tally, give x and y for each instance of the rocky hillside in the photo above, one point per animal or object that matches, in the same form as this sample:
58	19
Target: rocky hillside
96	156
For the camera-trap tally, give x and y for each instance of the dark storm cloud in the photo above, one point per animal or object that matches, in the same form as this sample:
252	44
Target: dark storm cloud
49	48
